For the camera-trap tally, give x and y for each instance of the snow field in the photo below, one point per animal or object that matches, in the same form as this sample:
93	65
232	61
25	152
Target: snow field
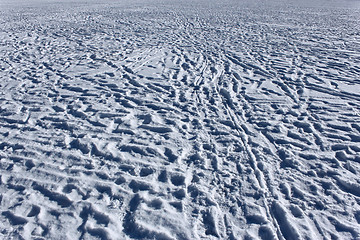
163	120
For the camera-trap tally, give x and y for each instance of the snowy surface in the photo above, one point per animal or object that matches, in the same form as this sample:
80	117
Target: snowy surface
179	120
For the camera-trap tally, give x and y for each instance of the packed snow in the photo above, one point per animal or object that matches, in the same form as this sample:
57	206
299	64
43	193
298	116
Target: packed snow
180	119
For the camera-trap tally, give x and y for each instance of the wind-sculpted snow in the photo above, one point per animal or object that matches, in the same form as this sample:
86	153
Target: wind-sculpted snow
179	121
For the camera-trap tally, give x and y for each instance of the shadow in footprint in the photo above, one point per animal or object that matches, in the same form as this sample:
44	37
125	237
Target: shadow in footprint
13	219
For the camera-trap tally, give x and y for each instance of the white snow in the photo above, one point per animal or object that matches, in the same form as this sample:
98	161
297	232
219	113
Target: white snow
179	120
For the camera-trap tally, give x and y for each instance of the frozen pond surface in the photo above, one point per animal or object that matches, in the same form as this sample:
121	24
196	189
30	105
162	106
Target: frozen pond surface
191	120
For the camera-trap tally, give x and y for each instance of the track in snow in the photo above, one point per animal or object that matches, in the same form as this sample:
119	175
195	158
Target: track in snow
169	121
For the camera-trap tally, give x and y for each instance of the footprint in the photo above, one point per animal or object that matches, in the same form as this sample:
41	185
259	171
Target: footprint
13	219
177	180
35	210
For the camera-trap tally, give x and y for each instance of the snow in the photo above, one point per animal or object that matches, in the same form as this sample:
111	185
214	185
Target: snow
179	120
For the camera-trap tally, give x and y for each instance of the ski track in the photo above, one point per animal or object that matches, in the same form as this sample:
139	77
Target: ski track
169	121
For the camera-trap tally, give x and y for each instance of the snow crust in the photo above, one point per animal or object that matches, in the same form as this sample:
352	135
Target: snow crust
179	120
